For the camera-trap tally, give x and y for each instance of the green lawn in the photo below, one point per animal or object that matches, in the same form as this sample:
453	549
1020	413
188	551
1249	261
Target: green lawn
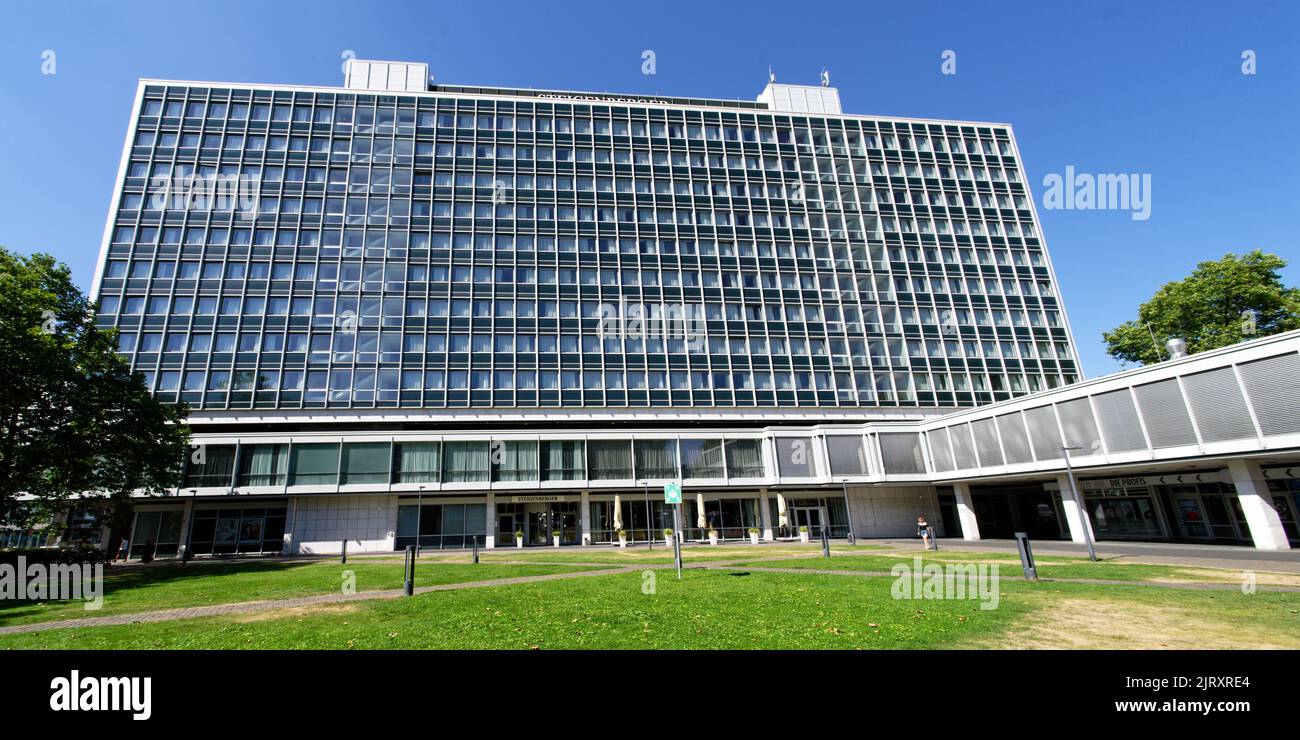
171	586
707	609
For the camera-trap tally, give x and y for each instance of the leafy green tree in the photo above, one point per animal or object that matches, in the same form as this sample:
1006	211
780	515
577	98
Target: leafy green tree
73	417
1221	303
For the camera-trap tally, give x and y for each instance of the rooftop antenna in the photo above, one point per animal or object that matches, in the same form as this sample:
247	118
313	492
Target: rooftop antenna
771	76
826	77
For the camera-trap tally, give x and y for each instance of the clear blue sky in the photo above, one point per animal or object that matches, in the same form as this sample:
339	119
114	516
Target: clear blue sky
1133	87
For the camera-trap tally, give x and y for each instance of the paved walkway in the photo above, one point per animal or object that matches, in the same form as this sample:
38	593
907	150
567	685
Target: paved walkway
1155	553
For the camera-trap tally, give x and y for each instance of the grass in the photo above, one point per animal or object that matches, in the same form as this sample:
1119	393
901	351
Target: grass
722	607
731	609
129	590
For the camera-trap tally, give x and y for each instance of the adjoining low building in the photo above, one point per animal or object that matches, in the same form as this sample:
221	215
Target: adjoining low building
409	313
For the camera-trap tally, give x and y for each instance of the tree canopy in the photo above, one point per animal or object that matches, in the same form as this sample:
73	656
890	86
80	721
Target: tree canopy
74	418
1222	302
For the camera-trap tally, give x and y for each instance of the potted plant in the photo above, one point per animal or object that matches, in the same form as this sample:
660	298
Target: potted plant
803	534
668	536
753	535
713	536
519	538
622	538
555	537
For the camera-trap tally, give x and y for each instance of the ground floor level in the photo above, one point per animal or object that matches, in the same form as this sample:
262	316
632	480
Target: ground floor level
1233	502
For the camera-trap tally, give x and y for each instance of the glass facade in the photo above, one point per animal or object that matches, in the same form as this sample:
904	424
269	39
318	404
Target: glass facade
296	248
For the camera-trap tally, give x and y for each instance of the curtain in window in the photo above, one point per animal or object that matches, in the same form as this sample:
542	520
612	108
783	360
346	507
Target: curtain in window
265	465
745	458
466	461
563	460
610	460
656	458
701	458
417	462
518	461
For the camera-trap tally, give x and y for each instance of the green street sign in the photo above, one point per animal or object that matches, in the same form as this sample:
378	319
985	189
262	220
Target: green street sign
672	493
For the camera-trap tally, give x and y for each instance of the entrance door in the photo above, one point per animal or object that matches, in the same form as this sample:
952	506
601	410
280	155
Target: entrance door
1191	517
506	530
810	517
539	527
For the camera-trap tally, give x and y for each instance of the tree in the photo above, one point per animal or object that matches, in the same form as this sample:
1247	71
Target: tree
1221	303
74	418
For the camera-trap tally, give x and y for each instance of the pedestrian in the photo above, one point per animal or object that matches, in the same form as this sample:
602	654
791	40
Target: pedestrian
123	550
923	530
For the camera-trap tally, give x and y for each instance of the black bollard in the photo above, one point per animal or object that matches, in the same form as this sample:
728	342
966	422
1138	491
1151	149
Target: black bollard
475	538
408	582
343	553
826	542
1026	556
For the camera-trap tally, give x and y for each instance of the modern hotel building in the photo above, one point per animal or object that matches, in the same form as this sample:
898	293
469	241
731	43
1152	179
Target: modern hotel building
403	312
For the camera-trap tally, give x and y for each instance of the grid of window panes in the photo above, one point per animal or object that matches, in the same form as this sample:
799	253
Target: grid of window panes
434	251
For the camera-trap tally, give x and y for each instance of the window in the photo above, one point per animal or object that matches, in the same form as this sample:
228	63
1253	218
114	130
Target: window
465	462
514	461
656	458
609	460
417	462
702	458
263	465
315	465
210	465
847	455
744	458
365	462
562	460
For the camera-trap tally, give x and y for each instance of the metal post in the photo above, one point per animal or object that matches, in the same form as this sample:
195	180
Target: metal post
408	582
934	540
343	553
1026	556
475	538
677	538
1084	524
826	542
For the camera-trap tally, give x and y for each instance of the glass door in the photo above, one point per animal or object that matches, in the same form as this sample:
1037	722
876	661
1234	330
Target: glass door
1191	518
505	530
539	530
810	517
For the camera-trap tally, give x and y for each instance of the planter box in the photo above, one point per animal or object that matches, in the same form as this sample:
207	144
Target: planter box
555	540
753	539
803	536
519	542
713	538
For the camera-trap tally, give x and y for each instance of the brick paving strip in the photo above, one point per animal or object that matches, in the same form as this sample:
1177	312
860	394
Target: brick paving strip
605	569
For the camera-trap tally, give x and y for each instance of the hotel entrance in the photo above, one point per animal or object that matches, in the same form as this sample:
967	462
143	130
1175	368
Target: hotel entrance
537	520
811	517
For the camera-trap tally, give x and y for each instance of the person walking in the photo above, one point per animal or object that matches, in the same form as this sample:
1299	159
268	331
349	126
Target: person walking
123	550
923	530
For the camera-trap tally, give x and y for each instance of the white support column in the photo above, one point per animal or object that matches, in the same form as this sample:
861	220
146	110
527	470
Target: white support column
186	517
584	517
390	537
290	521
490	522
970	526
1257	504
1076	518
764	515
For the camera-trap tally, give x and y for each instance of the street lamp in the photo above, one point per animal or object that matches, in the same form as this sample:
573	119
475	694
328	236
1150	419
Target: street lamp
1078	502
